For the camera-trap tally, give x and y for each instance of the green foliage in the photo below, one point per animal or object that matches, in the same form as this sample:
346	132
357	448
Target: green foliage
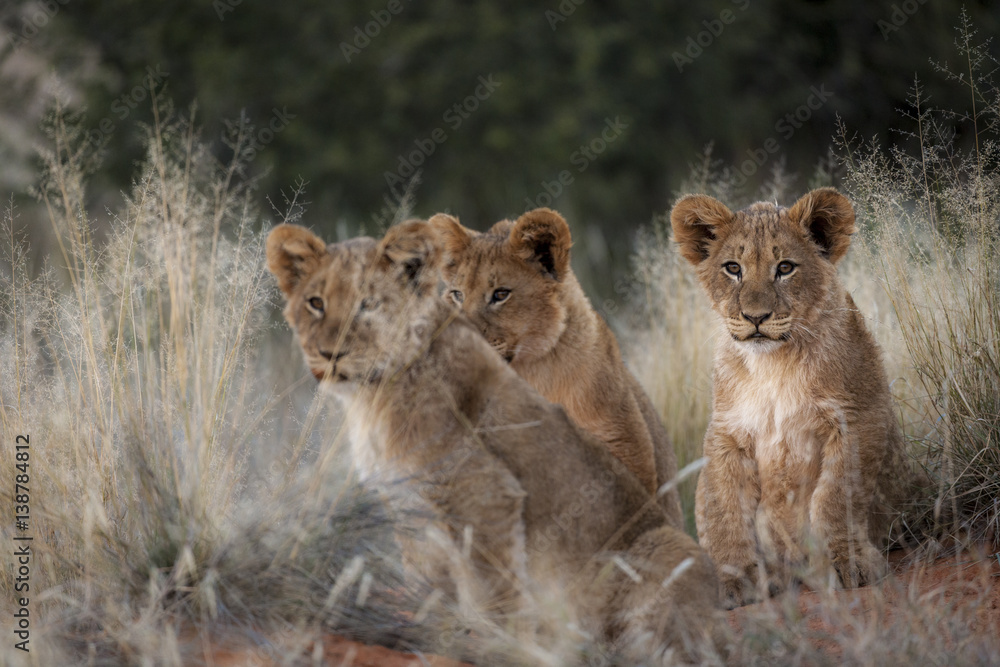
560	81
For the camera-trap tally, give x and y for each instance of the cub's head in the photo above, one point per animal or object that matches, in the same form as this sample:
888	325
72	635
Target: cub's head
510	280
360	307
770	271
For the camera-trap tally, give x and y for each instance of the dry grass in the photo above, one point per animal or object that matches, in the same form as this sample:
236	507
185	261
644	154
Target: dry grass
186	484
934	218
182	479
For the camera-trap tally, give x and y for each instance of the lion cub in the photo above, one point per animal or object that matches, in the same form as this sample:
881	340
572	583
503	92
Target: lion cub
515	284
450	434
805	454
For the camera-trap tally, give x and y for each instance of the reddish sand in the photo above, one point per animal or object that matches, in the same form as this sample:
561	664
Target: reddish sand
334	651
967	584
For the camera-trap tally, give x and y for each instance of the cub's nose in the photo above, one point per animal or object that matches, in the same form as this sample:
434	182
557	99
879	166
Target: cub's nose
329	356
756	320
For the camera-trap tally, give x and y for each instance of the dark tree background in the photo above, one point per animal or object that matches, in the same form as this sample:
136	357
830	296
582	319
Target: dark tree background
342	106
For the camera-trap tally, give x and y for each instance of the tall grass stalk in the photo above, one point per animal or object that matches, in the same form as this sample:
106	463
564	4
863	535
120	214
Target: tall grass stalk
932	218
170	494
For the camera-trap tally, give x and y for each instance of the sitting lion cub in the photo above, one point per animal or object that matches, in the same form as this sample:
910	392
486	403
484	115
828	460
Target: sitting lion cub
805	455
515	284
504	476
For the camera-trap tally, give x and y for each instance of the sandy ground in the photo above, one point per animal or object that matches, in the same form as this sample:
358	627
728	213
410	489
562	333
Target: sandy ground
333	651
967	583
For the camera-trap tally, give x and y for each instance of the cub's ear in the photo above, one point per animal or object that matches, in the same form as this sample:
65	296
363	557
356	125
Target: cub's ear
411	247
542	237
828	219
454	238
293	254
697	221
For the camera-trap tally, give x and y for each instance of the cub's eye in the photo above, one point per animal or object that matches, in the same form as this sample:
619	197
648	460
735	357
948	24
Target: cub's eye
457	296
732	268
316	303
784	268
500	295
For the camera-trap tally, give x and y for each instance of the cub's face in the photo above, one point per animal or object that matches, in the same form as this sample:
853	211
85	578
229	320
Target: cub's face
358	307
509	281
769	271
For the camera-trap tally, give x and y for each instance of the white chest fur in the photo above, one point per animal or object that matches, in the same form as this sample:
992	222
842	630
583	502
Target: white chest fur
774	410
363	431
364	442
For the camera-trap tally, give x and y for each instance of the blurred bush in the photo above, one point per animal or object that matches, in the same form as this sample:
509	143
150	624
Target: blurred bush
339	92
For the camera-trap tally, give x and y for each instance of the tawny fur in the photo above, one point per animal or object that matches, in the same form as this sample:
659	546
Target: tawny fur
552	336
805	453
468	453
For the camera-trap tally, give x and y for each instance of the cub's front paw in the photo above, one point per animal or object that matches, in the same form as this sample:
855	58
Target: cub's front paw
747	585
737	591
864	569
